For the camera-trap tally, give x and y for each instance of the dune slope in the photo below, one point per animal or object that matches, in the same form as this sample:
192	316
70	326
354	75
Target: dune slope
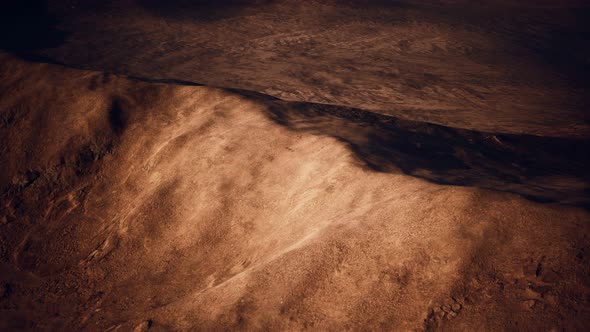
136	205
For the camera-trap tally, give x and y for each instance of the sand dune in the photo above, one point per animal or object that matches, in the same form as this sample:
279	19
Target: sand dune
137	205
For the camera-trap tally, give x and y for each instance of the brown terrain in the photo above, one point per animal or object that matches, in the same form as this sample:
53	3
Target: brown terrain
290	165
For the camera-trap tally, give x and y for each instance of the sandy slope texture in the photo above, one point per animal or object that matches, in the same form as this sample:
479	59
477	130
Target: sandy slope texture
507	67
134	205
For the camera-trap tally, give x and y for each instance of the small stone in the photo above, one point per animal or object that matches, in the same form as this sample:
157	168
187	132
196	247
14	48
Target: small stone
456	307
436	313
529	303
445	308
451	314
532	294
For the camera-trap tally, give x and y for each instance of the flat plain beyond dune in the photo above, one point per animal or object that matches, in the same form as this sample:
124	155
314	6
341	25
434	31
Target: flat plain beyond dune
130	205
516	67
285	165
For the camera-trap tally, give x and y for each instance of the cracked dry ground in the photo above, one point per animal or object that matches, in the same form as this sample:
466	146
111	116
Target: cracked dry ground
133	205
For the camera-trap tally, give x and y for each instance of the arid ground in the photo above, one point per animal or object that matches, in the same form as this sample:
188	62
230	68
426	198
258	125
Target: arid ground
294	165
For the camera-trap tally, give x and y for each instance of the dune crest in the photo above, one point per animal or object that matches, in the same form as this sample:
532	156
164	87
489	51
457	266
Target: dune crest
134	205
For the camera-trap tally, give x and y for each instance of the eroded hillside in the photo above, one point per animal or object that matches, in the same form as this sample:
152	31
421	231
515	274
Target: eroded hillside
138	205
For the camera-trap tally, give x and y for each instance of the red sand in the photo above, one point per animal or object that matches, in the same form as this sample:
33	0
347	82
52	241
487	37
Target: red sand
132	205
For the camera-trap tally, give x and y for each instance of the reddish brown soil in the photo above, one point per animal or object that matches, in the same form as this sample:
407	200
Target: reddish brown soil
136	205
516	67
290	165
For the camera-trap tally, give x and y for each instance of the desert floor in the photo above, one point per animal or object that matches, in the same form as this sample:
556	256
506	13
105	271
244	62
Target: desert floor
158	178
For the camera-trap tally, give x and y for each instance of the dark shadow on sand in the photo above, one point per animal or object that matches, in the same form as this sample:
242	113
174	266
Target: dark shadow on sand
26	27
543	169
